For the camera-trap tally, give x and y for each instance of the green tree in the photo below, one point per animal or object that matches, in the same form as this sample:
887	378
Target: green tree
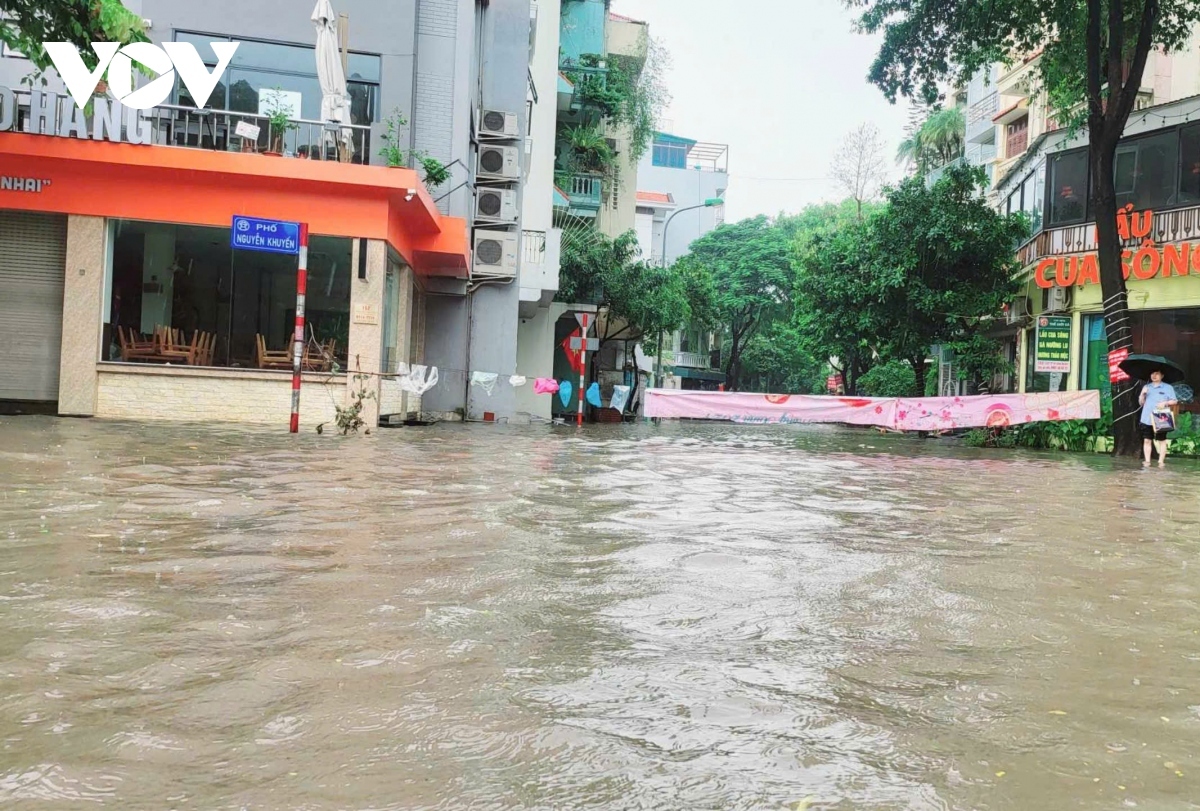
638	299
26	24
1092	66
892	379
777	361
943	265
833	313
937	141
749	263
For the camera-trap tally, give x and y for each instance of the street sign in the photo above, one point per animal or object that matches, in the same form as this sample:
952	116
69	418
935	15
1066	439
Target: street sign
584	319
593	344
268	236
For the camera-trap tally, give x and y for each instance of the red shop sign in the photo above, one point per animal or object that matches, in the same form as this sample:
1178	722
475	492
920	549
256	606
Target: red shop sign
1115	373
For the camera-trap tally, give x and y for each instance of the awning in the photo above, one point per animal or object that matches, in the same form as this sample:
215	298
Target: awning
209	187
699	374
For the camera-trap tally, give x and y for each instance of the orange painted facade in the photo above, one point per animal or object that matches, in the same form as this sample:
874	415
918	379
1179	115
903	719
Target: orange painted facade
206	187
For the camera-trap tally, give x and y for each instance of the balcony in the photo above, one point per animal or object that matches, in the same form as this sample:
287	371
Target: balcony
979	119
936	175
692	360
540	260
175	125
581	194
582	89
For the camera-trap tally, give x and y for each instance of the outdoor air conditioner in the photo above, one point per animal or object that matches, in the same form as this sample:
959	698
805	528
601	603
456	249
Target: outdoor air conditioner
496	205
495	253
499	124
499	162
1058	300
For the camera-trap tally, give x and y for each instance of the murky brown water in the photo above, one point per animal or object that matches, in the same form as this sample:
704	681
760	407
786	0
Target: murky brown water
681	617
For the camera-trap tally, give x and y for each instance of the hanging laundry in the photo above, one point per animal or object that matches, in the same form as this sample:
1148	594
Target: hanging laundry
420	379
564	392
485	381
517	381
620	397
593	395
545	385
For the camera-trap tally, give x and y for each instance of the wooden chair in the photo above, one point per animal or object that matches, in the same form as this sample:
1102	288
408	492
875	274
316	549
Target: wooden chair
270	359
194	354
320	358
134	347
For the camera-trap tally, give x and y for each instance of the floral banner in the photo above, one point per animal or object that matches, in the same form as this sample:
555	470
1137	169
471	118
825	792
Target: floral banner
904	414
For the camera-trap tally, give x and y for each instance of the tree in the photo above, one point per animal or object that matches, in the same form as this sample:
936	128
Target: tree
937	141
26	24
933	266
777	361
749	263
1091	67
858	165
637	298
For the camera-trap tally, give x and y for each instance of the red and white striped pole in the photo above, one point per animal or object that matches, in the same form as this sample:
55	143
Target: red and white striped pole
298	339
584	321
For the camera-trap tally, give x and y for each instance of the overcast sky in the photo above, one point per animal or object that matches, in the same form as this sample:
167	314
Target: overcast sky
780	81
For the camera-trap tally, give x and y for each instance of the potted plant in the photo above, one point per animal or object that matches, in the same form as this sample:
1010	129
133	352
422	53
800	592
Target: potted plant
279	122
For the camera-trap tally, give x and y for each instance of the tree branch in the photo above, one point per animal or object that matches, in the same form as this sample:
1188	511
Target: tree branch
1136	68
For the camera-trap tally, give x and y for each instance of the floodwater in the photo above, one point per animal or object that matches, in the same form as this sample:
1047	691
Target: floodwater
645	617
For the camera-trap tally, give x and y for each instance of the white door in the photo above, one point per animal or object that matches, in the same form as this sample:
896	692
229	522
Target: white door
33	254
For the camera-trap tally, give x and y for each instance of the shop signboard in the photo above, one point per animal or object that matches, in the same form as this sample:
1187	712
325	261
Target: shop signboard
1053	345
268	236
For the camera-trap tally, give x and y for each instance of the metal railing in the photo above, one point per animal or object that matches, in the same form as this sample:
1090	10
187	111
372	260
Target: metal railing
176	125
586	190
533	247
979	115
692	360
936	174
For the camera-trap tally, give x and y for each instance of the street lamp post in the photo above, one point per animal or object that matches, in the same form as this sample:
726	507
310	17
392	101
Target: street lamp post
711	202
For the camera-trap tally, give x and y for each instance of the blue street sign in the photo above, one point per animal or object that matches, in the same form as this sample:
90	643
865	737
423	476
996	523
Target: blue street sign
270	236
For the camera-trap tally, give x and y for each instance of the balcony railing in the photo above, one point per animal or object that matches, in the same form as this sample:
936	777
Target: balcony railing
979	116
175	125
584	193
692	360
533	247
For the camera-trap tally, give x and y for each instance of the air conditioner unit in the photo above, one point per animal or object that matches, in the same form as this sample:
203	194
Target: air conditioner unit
496	205
495	253
499	162
1058	300
1018	310
499	124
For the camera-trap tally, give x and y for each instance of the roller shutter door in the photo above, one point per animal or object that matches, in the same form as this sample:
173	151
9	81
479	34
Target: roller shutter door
33	251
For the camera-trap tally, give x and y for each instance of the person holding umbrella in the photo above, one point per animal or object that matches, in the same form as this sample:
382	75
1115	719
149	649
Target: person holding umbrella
1156	400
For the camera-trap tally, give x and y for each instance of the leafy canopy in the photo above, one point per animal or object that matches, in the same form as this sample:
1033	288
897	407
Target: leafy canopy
26	24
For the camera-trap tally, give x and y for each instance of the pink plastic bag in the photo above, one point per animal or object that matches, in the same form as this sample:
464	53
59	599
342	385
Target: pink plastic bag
545	385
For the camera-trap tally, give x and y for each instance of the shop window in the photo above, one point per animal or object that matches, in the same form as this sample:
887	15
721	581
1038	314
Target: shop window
1068	187
257	65
187	281
1144	171
1189	161
1094	371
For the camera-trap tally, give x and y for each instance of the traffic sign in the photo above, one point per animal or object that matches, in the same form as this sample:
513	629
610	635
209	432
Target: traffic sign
584	319
268	236
593	344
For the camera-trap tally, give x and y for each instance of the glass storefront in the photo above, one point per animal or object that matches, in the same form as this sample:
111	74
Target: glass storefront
180	294
1174	334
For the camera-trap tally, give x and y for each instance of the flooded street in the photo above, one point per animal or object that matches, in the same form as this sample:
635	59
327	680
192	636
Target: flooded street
676	617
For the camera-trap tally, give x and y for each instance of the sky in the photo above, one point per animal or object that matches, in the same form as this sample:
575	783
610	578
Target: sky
780	81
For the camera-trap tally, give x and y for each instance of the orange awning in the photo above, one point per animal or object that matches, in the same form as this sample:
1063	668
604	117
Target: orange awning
209	187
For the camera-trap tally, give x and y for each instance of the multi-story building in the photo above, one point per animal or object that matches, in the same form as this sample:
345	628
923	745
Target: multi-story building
676	179
1158	193
595	171
124	296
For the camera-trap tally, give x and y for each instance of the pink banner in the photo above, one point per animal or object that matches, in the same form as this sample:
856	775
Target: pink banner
904	414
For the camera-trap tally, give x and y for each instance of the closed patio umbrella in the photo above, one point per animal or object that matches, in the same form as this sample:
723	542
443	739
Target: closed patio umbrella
335	102
1140	367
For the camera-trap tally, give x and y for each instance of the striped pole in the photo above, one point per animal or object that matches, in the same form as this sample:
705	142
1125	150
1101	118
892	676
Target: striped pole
584	320
298	340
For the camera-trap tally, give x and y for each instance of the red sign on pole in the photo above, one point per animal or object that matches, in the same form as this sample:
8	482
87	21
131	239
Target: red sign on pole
833	383
1115	373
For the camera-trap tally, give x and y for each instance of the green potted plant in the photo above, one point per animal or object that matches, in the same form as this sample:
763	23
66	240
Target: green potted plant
279	122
